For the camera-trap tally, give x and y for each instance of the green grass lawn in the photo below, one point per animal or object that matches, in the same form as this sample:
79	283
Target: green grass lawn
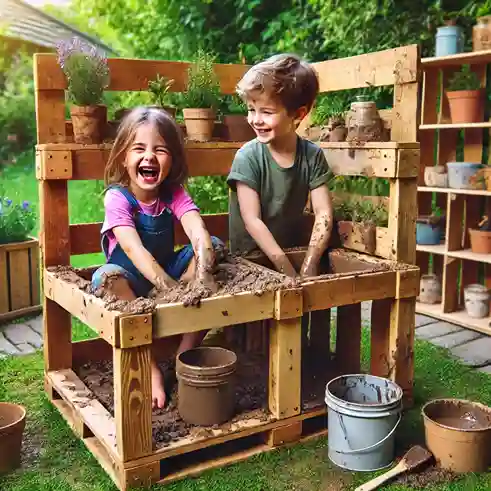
55	460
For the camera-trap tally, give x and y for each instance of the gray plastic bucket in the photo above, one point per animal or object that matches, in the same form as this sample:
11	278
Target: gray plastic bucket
363	414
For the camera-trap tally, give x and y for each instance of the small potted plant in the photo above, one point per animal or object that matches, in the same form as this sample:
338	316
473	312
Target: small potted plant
159	90
87	75
480	237
237	127
429	228
465	97
201	98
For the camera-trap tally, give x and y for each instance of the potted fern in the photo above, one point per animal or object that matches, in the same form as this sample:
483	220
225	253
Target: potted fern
87	75
201	98
465	97
235	120
159	92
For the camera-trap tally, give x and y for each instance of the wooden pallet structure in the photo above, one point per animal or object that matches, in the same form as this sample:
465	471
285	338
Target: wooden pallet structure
122	442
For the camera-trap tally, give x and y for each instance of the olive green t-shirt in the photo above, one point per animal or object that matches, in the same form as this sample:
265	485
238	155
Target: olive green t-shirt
283	192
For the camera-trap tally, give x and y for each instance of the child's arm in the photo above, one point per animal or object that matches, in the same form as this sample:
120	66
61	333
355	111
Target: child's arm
321	232
195	229
130	242
250	209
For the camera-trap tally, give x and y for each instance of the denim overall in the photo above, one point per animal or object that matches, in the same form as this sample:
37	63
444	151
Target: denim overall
157	236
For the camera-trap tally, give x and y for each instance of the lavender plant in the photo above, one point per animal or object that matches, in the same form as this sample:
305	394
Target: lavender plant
16	220
86	71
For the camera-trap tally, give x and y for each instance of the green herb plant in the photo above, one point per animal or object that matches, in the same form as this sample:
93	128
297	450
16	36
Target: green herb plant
203	86
16	220
159	91
362	211
465	79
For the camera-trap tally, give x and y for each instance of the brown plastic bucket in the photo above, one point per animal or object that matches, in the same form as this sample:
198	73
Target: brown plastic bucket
458	434
206	389
12	423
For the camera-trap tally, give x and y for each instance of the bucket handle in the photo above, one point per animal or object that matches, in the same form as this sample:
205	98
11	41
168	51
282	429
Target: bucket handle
361	450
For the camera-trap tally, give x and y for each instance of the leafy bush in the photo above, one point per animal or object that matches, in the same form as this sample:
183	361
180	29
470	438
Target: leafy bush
210	193
16	220
362	211
86	71
465	79
203	87
17	113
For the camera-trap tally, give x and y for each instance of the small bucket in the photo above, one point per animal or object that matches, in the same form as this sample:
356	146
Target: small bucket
364	412
458	434
206	390
460	174
12	424
449	41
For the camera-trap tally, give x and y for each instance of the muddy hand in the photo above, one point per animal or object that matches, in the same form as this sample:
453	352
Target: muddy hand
309	268
208	282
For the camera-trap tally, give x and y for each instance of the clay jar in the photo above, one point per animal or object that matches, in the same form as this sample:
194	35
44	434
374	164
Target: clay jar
12	424
481	34
363	121
430	290
476	298
436	176
206	390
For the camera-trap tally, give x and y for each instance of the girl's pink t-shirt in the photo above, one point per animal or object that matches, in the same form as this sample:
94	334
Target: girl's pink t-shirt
118	211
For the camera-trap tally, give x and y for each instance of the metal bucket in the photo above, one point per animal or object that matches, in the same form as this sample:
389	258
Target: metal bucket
363	414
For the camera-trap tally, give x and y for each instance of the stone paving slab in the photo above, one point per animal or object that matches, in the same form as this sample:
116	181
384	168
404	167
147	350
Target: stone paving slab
423	320
25	348
22	333
456	338
436	329
6	347
476	353
486	369
36	324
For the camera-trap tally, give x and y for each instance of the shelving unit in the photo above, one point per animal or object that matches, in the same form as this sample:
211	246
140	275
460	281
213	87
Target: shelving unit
452	261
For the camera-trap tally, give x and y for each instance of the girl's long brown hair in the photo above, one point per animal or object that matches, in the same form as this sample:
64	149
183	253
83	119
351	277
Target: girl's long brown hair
115	172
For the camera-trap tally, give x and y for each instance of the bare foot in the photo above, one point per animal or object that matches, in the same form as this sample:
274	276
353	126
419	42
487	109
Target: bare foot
158	391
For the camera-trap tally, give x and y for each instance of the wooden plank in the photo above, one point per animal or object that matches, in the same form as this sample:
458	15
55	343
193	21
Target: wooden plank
379	335
454	222
407	283
348	338
83	403
450	294
20	288
54	165
34	274
284	368
50	114
17	314
106	461
75	422
401	346
402	219
134	74
4	283
86	307
325	294
429	103
459	59
288	304
213	312
369	70
135	330
133	391
319	337
285	434
15	246
405	112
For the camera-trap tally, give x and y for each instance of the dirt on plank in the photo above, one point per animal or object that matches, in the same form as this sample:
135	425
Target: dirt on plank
430	475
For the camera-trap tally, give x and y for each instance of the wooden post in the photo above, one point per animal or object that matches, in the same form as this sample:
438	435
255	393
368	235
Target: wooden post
133	401
348	338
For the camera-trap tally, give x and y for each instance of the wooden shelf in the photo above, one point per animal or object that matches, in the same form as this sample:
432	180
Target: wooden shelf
432	249
460	317
471	256
470	192
457	126
473	57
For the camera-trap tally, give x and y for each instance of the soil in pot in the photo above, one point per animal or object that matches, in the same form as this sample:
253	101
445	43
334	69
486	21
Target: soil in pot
12	424
466	106
476	298
89	123
237	128
199	124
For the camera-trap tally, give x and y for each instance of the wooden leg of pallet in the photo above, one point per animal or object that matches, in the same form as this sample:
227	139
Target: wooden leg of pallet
320	335
285	434
144	475
379	332
284	367
133	401
401	345
57	336
348	337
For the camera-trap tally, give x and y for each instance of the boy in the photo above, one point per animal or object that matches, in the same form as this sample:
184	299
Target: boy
272	175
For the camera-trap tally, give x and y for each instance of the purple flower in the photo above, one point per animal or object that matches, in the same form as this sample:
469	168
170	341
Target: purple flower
25	205
8	201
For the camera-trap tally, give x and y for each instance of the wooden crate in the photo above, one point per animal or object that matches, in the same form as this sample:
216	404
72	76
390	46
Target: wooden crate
123	442
19	279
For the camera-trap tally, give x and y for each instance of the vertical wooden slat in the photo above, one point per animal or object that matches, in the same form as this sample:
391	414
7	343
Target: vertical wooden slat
133	401
34	272
348	338
20	292
454	221
379	334
423	261
4	284
450	294
431	87
404	119
320	335
284	368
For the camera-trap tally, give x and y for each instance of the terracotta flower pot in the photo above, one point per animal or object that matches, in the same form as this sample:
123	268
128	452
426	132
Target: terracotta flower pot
480	241
466	106
238	129
12	424
199	123
89	123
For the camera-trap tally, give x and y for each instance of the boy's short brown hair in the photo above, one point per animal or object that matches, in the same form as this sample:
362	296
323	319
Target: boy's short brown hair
287	77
